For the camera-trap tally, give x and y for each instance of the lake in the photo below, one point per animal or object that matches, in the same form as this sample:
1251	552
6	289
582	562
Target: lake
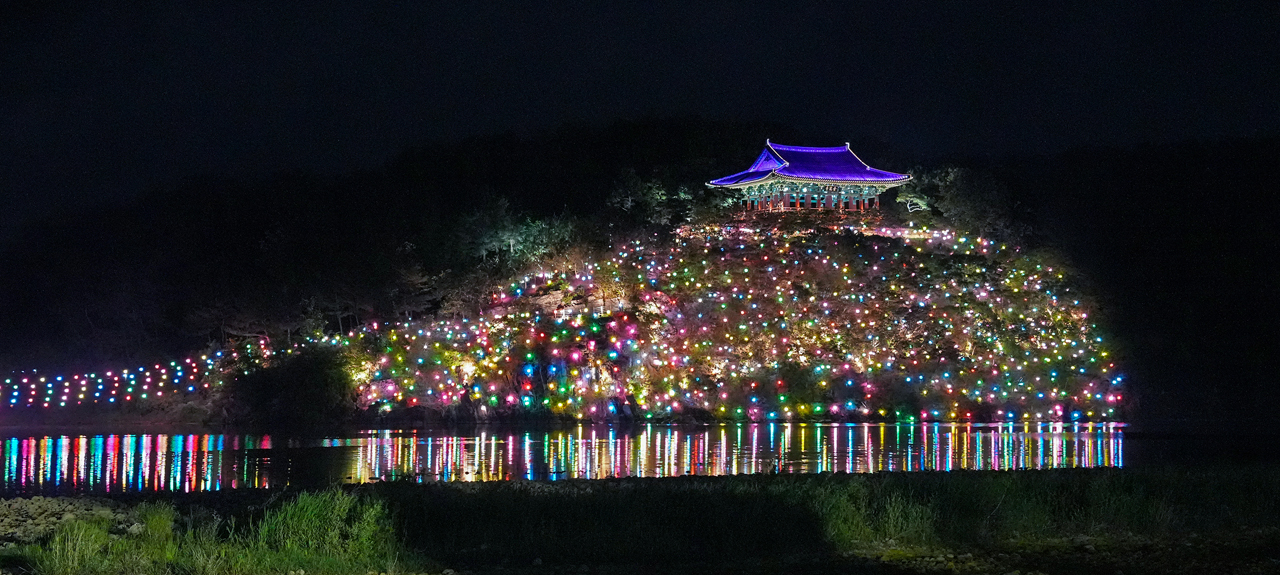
63	464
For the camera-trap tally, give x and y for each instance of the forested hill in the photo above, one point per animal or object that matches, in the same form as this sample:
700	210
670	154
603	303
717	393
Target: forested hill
1176	240
177	268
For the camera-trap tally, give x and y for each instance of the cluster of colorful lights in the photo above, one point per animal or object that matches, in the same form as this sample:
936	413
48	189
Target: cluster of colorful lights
125	385
724	322
121	386
751	324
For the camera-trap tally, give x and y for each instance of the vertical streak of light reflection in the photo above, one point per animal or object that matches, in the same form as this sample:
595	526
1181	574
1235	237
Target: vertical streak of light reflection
119	463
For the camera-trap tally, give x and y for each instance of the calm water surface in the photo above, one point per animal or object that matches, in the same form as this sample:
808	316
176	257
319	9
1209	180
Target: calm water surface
161	462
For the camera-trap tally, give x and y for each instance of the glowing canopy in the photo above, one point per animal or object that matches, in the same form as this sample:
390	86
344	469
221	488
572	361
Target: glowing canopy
838	165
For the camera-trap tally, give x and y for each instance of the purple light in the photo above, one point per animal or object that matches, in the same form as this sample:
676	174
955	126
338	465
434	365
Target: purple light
836	165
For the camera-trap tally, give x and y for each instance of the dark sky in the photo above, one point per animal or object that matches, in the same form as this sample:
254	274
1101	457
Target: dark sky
101	102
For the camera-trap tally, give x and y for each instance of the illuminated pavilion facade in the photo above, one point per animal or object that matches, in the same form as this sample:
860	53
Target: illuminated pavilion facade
789	178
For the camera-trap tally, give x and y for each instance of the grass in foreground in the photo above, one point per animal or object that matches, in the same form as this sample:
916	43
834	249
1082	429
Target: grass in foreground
1068	521
700	518
314	533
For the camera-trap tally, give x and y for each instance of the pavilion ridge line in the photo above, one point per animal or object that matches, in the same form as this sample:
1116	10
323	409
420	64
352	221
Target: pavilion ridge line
788	178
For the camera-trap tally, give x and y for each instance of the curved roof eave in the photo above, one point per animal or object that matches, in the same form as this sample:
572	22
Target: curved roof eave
775	176
905	178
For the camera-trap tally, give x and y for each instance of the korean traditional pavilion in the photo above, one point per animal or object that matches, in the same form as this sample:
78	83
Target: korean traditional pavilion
786	178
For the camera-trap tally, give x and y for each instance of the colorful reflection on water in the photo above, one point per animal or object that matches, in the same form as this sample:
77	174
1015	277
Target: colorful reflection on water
160	462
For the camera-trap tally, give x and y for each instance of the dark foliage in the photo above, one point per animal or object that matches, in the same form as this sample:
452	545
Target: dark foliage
304	391
799	384
965	199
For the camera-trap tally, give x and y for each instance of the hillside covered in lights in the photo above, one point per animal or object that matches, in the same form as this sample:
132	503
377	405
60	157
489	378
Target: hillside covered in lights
756	320
742	322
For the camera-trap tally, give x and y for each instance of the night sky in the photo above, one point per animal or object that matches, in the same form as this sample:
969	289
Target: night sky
100	102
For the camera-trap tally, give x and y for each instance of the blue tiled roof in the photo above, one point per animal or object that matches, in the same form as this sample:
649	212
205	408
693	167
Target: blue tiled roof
837	165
